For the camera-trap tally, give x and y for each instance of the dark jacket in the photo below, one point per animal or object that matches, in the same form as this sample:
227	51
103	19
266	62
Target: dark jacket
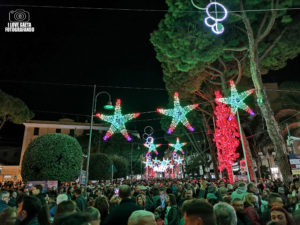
81	203
252	214
173	216
33	221
242	219
3	205
120	214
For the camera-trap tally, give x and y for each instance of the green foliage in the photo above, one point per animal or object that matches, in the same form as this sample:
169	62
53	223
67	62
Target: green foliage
52	157
185	46
122	166
100	166
290	95
13	109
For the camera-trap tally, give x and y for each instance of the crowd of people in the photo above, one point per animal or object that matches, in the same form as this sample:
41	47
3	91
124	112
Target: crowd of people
161	202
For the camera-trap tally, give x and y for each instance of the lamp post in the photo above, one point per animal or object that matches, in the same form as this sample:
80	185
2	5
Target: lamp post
108	106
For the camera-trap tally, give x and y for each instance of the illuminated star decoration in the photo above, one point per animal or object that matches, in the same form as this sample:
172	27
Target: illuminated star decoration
165	162
179	161
236	100
156	161
148	163
151	146
117	121
178	146
178	114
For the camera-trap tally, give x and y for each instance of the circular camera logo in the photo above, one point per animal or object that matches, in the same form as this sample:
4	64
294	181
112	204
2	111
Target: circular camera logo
19	21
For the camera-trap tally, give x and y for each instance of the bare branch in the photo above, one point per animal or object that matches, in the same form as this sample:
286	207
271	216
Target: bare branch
211	74
223	64
240	70
262	24
213	82
214	69
240	29
204	111
270	24
240	49
272	45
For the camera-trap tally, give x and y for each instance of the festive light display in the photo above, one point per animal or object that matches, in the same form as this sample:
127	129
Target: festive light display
117	121
213	21
236	100
178	114
151	146
179	161
177	146
226	136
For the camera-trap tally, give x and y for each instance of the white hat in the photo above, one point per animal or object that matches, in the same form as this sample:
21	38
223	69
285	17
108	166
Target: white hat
61	198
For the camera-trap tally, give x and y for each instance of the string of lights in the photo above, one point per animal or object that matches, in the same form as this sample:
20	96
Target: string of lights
119	87
139	9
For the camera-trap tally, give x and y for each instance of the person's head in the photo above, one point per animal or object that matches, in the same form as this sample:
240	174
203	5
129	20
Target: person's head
77	192
238	204
37	189
141	217
60	198
281	190
8	216
141	200
94	215
188	194
198	212
171	200
250	198
80	218
281	216
14	194
4	196
66	207
124	191
225	214
275	200
28	208
265	194
251	187
101	203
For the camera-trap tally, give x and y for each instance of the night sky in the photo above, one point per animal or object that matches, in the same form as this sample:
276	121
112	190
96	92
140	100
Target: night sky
83	47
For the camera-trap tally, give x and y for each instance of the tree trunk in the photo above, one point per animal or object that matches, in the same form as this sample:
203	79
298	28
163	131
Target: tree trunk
272	125
212	147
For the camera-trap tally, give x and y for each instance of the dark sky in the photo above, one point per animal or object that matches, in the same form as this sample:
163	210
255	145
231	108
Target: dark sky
85	47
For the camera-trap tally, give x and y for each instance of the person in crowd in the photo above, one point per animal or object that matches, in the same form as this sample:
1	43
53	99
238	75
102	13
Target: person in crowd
187	195
225	214
249	203
251	188
78	218
120	214
28	211
171	216
80	200
281	192
59	199
4	198
240	192
13	199
94	215
281	216
8	216
242	218
141	217
101	203
70	192
198	212
141	201
65	207
37	191
274	199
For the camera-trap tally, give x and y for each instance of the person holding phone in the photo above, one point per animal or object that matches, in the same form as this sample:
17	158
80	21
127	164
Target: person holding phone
171	211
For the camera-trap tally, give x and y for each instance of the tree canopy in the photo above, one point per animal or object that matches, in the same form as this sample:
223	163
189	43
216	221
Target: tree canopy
100	167
122	166
13	109
52	157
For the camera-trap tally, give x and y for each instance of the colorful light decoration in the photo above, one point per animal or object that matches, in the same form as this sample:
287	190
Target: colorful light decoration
178	146
226	137
151	146
180	161
213	21
178	114
117	121
236	100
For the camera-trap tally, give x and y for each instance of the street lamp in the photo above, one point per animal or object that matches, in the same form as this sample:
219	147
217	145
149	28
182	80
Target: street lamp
108	106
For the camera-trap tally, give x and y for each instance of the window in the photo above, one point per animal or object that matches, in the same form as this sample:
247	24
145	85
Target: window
58	130
72	132
36	131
